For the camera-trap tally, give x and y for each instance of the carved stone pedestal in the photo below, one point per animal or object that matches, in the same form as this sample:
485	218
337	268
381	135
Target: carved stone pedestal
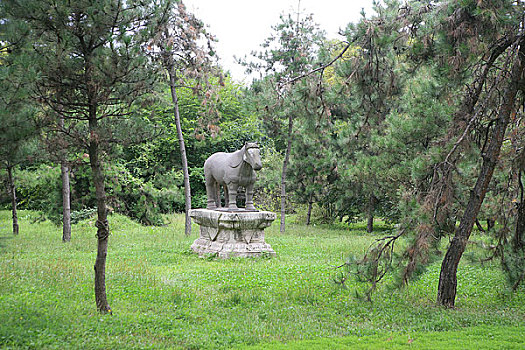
232	233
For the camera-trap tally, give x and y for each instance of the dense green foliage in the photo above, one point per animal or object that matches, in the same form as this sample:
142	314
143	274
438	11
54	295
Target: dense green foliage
145	180
165	296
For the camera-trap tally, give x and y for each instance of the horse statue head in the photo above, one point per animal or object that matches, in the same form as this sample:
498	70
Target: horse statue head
252	155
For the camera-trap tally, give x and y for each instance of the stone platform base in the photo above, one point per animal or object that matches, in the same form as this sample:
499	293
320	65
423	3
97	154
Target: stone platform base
232	233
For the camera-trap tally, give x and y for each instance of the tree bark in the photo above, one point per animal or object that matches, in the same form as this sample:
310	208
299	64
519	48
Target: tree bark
309	213
12	193
517	240
102	216
283	174
448	277
490	224
182	146
66	199
372	200
64	167
66	203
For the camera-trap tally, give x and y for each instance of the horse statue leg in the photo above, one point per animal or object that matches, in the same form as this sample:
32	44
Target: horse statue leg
232	195
249	197
211	192
218	203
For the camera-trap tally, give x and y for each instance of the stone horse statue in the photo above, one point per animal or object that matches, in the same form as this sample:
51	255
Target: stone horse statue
232	170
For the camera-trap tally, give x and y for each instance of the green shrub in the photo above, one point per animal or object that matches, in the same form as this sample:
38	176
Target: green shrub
40	189
144	201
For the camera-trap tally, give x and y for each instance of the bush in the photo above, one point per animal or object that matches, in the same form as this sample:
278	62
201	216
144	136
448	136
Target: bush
144	201
267	192
83	214
40	189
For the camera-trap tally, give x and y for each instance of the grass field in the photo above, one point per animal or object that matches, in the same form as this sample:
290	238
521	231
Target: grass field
163	296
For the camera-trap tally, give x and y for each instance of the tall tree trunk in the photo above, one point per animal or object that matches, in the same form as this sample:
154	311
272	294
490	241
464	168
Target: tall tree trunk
283	174
64	167
448	277
517	241
66	203
518	245
309	213
182	146
102	218
66	199
490	224
12	193
372	200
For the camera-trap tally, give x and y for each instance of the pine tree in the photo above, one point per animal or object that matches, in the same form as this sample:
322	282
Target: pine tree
289	53
92	68
18	124
459	90
176	44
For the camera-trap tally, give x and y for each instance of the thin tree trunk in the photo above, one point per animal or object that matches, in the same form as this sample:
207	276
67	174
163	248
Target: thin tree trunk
517	241
371	209
64	167
66	200
66	203
309	213
370	223
283	175
102	221
184	159
12	193
448	277
490	224
518	244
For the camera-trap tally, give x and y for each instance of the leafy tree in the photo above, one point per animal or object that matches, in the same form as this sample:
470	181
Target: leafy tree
158	161
439	41
370	80
504	109
177	38
313	169
288	53
18	126
92	68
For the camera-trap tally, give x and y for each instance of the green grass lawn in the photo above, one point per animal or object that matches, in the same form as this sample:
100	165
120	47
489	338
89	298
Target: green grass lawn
163	296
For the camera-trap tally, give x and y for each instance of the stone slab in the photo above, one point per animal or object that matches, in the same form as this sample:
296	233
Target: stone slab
232	234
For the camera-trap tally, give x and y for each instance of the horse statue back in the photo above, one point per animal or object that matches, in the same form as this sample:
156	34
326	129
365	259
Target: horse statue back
232	170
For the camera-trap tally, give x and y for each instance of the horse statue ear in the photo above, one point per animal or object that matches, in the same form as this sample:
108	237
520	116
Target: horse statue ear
248	145
237	159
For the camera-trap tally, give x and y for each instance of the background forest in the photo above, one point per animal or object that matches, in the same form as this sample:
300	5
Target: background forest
415	116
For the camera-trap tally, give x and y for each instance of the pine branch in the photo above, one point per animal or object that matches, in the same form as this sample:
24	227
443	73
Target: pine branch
321	68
